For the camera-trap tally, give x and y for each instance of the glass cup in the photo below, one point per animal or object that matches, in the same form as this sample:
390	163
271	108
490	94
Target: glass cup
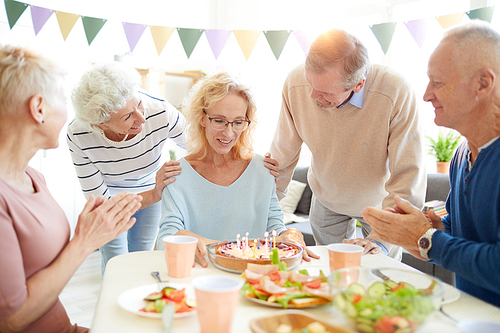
344	255
179	255
217	298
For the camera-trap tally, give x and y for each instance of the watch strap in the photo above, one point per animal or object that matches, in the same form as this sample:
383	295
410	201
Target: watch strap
425	243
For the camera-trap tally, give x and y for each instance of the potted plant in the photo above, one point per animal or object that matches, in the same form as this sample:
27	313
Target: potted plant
443	149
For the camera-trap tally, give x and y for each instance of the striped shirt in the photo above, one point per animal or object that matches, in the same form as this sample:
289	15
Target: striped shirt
105	169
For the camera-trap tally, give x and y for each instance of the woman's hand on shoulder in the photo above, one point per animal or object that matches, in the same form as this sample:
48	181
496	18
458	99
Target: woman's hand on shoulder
166	175
272	165
102	221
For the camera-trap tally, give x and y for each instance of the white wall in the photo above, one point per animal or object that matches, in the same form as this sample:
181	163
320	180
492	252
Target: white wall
262	71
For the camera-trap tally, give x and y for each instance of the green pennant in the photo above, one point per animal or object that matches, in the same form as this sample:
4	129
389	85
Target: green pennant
384	32
484	14
277	40
14	11
189	39
92	26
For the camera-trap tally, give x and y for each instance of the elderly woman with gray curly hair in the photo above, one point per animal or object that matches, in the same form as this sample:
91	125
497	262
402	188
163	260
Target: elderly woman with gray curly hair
116	142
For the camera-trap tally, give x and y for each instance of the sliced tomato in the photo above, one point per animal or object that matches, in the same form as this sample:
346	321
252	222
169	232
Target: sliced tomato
177	295
275	276
356	298
312	284
399	286
384	325
183	307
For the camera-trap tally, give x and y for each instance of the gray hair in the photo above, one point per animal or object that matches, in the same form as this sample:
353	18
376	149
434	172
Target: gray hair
475	42
23	73
339	47
104	89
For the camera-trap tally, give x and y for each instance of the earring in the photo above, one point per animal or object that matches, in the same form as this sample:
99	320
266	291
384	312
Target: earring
43	121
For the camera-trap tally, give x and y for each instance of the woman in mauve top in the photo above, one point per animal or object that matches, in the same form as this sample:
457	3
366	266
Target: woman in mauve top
37	257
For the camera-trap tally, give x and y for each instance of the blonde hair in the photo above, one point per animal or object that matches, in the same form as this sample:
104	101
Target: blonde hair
104	89
23	74
204	94
335	47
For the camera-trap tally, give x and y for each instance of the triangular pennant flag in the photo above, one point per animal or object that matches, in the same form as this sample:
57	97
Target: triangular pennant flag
277	40
66	22
418	30
92	26
447	21
217	39
14	11
304	38
133	32
484	14
384	32
161	35
39	16
189	39
247	40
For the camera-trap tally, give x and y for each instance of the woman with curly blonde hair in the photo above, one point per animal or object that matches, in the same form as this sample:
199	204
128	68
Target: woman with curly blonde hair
224	188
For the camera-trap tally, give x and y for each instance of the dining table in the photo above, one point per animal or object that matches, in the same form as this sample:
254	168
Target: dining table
132	270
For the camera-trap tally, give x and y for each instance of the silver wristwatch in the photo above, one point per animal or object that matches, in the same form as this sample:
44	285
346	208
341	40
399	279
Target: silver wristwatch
425	243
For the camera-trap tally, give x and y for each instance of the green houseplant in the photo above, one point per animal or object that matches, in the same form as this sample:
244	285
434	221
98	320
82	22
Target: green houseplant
443	148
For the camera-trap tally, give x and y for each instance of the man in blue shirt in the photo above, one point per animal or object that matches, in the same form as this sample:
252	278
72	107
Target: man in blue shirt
464	91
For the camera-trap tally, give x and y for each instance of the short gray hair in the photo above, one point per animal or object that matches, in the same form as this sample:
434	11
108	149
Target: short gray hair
475	42
104	89
339	47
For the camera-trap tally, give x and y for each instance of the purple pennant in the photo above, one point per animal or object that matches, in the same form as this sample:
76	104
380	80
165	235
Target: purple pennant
304	38
39	16
217	39
418	29
133	31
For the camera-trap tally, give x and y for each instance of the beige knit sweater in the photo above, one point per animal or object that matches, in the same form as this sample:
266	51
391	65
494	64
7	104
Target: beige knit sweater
360	157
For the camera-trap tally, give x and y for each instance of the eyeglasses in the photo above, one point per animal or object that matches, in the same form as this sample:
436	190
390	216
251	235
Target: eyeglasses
220	124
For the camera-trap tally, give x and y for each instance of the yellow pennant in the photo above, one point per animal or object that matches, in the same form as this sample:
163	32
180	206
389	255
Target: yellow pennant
161	35
247	40
66	22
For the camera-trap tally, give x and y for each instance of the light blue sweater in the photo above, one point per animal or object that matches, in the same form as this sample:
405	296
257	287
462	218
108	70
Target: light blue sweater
217	212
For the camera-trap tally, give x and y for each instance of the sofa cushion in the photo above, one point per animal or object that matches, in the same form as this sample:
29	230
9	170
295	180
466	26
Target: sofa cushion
438	187
290	202
300	175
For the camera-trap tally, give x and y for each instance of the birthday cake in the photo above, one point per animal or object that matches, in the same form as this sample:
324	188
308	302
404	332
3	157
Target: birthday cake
234	257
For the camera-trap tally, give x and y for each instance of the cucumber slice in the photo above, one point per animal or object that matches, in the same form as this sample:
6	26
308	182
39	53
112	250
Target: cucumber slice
377	290
340	302
350	310
390	284
365	328
356	288
167	290
153	296
159	305
365	321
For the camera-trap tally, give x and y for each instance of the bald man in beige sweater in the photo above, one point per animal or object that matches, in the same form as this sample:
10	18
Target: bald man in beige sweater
361	125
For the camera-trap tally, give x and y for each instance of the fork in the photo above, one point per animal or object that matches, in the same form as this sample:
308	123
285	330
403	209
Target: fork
161	284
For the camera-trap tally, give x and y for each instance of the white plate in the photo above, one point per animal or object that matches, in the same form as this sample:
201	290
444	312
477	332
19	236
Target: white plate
450	295
132	300
278	305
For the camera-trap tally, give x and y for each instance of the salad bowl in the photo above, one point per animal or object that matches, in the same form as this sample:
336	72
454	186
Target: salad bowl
385	299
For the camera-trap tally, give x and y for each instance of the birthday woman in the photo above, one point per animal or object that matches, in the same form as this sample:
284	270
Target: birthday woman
224	187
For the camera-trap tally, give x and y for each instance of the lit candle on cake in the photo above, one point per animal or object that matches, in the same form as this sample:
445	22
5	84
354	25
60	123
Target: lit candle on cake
238	241
254	248
274	238
266	234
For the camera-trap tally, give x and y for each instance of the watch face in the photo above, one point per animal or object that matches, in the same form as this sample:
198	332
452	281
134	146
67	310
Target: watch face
424	243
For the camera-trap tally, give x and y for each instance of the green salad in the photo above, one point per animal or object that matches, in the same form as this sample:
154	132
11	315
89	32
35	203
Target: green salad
386	307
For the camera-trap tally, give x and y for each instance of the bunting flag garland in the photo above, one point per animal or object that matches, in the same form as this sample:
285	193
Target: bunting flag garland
277	40
14	11
447	21
484	14
39	16
304	38
66	22
384	32
133	32
217	40
246	40
92	26
161	35
189	39
418	30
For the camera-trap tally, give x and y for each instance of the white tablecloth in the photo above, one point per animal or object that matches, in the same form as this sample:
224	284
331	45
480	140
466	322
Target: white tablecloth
134	269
